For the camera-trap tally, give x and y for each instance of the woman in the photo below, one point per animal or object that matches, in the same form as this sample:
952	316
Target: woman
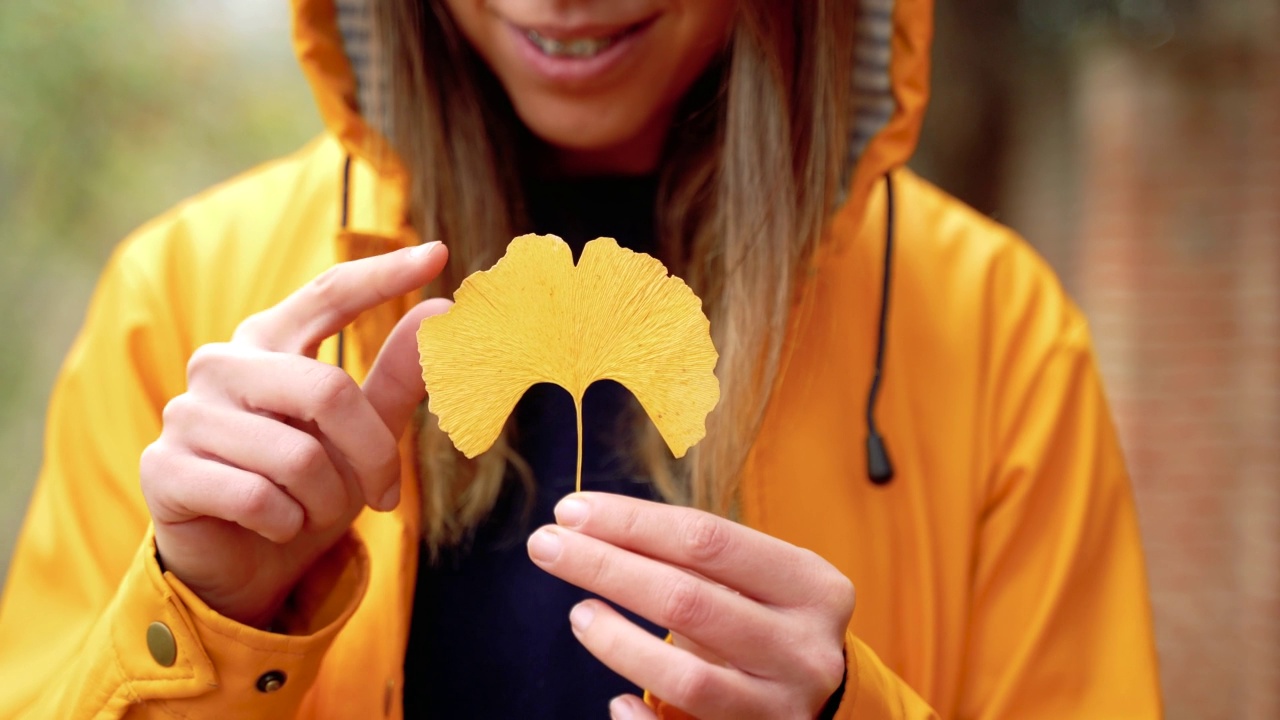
910	406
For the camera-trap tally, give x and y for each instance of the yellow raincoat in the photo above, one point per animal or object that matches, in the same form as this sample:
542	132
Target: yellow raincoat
999	574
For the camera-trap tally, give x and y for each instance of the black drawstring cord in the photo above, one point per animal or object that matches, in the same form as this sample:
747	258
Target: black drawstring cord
879	466
346	204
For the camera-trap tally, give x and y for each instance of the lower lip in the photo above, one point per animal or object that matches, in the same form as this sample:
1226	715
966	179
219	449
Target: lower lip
579	71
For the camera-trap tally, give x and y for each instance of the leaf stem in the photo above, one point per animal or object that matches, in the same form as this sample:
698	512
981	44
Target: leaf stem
577	407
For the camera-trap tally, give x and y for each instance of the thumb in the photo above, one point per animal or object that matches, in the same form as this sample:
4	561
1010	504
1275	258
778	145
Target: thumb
394	386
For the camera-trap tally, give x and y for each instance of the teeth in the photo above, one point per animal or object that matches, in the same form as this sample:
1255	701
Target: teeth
576	48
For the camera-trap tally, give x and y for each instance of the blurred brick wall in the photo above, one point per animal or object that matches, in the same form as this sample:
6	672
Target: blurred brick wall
1144	162
1177	263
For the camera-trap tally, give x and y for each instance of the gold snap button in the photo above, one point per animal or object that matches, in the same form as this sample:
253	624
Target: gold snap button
164	649
271	681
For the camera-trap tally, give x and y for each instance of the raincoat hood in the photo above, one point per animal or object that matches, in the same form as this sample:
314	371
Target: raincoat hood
890	78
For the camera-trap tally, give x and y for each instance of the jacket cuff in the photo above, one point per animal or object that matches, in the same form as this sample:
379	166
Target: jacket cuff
174	649
874	691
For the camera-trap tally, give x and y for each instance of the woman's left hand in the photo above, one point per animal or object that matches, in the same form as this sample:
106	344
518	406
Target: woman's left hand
759	623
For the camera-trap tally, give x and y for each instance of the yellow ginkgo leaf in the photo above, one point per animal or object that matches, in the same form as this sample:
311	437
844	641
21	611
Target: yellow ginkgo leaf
534	317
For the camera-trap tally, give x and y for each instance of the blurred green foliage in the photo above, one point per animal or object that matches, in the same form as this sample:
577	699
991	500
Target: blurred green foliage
110	113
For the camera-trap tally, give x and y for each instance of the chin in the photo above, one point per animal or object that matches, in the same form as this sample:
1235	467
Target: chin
577	138
600	129
580	128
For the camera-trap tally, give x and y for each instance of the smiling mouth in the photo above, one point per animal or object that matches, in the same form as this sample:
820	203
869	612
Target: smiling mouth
578	48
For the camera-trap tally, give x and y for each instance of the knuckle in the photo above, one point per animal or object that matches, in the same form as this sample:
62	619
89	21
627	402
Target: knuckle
288	529
151	466
327	281
251	328
844	596
259	507
303	459
256	500
629	523
797	707
694	687
322	290
831	670
386	456
785	704
331	389
796	710
834	592
596	570
201	359
607	641
684	604
704	537
831	591
377	483
824	668
812	560
172	413
327	514
156	479
179	411
207	365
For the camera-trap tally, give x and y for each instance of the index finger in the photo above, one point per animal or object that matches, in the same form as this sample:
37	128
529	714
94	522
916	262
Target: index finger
322	307
757	565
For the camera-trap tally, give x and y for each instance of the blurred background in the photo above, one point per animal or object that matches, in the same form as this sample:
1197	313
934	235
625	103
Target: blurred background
1136	143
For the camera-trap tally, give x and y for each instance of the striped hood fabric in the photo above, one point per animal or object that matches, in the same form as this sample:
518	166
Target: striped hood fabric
889	78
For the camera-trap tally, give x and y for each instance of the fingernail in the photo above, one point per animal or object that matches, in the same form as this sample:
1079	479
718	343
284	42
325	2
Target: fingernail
390	499
544	546
620	708
572	511
423	250
580	616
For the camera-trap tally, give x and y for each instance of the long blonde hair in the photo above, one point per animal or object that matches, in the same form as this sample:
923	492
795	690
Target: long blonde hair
748	182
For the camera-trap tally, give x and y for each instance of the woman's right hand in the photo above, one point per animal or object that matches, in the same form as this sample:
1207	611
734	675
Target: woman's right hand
268	457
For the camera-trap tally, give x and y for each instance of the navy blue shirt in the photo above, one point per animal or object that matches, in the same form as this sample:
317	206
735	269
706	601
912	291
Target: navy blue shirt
490	635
